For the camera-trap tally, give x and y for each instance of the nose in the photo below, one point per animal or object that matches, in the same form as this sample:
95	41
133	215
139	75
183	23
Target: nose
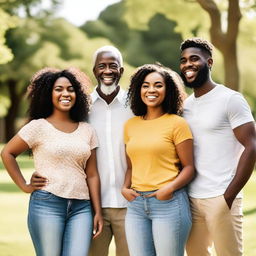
151	89
107	70
65	92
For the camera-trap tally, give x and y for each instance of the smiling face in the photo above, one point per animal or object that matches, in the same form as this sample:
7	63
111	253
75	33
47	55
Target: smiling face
63	95
107	70
153	90
194	66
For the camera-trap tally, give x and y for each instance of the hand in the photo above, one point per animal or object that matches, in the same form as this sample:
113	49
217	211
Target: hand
229	199
162	194
129	194
37	181
97	225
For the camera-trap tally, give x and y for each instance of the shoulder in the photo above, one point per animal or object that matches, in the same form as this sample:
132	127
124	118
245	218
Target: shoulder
132	121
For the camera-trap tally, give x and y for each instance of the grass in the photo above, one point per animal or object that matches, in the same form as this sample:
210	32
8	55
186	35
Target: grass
14	236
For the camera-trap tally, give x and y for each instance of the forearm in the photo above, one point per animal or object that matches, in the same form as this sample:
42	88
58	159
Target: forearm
13	170
184	177
244	170
127	179
94	189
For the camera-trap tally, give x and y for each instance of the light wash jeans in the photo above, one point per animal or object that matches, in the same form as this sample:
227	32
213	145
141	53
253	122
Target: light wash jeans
59	226
155	227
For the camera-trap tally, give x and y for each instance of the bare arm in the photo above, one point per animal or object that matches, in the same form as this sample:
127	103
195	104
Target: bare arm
93	181
9	153
185	153
246	135
127	192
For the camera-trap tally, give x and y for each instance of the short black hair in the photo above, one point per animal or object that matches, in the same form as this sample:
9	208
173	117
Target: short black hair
40	95
197	42
175	94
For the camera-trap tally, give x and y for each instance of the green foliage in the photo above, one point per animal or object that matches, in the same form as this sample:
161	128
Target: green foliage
6	22
137	45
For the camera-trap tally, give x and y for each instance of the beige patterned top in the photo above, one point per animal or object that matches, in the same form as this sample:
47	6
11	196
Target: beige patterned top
61	157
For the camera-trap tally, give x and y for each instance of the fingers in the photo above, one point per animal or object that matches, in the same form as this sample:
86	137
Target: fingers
151	195
97	229
37	181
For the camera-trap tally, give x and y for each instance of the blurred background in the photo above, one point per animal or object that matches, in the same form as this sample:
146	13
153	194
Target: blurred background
39	33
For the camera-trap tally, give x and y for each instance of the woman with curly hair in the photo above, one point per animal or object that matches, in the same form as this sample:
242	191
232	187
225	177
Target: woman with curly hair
60	218
159	149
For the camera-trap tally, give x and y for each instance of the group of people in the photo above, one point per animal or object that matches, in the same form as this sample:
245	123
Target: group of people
157	171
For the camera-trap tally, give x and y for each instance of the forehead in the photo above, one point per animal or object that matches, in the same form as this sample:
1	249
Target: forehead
62	81
106	57
192	51
154	76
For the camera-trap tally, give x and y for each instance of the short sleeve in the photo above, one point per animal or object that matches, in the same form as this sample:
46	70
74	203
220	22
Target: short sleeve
181	131
238	111
125	133
94	143
30	133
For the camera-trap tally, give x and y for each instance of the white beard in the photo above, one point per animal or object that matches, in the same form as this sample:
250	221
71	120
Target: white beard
107	89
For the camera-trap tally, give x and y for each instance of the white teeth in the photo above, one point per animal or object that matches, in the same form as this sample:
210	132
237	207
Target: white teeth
65	101
151	97
189	73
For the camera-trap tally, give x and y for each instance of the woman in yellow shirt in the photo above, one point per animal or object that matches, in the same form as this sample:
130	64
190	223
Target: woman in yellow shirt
159	149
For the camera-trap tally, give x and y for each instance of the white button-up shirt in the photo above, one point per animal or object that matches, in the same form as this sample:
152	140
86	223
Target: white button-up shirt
108	121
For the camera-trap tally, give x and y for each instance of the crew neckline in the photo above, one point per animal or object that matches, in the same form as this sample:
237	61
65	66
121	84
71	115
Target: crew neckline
56	129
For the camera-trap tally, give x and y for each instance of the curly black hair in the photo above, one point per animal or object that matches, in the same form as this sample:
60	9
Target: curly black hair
197	42
40	95
175	94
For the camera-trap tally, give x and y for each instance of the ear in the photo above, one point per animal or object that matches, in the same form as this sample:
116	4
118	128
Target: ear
210	63
121	71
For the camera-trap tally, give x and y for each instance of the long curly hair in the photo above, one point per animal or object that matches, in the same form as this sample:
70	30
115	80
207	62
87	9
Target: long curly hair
40	93
175	93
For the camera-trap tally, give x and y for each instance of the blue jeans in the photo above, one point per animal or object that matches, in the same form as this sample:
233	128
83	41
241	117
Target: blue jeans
155	227
59	226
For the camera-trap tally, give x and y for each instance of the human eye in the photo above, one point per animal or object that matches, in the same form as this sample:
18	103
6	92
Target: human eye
71	89
113	66
182	61
57	88
144	86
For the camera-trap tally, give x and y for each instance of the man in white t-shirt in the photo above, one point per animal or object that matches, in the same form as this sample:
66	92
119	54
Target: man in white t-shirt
225	151
107	116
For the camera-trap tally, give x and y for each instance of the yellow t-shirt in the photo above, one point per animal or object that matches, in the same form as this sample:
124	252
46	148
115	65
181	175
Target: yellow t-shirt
150	145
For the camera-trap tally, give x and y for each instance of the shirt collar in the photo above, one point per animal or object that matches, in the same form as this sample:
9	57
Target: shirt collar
120	96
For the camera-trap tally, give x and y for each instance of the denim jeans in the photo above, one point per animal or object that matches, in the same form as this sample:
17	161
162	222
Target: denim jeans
59	226
156	227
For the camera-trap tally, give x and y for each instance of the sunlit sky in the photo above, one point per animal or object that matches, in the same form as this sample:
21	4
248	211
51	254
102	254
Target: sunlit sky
79	11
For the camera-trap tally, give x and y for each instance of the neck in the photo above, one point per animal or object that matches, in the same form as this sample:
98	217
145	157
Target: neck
205	88
153	113
108	98
60	116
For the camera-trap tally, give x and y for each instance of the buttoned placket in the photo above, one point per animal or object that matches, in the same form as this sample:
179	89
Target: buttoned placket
110	150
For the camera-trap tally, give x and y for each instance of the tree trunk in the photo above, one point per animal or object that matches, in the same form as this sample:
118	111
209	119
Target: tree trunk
225	41
232	76
13	110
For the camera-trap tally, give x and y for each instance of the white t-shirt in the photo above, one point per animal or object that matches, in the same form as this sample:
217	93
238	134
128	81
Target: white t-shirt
212	118
108	121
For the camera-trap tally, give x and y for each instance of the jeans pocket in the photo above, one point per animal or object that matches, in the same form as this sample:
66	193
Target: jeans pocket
41	195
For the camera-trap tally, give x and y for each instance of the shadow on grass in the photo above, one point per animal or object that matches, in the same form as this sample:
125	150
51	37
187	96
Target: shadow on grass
9	188
249	212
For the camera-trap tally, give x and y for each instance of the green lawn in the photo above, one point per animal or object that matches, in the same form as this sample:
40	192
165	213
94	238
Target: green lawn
14	237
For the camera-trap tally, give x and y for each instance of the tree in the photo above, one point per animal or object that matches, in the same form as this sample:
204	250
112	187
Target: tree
225	41
6	22
138	45
37	44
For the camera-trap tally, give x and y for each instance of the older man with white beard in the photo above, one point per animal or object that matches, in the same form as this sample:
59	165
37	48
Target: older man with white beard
107	116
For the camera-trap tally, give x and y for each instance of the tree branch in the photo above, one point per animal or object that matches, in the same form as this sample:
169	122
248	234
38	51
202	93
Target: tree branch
217	35
234	16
